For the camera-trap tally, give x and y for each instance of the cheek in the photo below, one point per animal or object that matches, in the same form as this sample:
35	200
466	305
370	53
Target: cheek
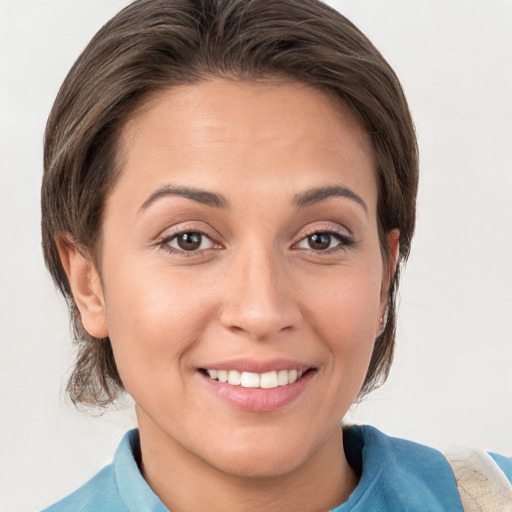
346	300
154	317
344	310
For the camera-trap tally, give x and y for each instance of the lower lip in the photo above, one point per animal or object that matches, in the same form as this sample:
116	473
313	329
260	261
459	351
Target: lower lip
258	399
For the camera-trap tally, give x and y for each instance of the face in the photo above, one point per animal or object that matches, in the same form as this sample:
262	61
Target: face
241	243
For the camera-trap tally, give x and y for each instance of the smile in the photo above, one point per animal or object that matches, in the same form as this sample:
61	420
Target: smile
267	380
258	385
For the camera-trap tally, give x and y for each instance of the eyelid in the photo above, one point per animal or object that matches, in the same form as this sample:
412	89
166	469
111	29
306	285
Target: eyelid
171	233
168	241
344	236
324	228
188	227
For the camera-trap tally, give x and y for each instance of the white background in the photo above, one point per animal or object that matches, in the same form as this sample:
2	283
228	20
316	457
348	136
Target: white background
452	379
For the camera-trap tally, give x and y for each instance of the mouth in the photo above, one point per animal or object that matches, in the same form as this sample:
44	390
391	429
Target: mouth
258	386
267	380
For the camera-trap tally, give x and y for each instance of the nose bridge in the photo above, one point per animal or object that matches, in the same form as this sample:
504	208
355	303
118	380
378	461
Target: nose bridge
260	299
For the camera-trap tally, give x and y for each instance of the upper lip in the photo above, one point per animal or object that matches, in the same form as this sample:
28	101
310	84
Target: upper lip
257	366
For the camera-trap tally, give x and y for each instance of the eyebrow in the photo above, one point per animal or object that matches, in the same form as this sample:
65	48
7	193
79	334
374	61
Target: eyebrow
317	195
201	196
303	200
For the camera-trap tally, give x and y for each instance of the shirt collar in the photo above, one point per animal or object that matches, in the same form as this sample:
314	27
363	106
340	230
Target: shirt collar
135	493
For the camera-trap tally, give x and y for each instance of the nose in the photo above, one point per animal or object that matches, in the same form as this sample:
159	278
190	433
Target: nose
259	300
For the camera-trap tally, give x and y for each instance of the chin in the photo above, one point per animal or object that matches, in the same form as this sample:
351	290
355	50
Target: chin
260	467
258	460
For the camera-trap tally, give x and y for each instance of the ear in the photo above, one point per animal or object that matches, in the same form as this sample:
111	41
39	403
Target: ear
389	269
85	285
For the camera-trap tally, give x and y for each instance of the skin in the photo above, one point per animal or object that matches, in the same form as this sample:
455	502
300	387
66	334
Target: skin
255	288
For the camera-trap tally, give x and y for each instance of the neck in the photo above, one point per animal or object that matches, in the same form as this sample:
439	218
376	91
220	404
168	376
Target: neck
183	481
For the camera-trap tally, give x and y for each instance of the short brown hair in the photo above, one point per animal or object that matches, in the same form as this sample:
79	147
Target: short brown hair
155	44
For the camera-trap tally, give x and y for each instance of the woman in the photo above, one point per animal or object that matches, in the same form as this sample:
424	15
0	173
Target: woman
229	194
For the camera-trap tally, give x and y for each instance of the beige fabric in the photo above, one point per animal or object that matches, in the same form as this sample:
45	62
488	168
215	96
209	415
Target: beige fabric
482	486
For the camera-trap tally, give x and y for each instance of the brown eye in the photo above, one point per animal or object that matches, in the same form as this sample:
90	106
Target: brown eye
325	241
189	241
319	241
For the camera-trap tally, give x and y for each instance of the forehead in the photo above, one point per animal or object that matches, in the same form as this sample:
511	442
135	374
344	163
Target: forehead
218	132
245	105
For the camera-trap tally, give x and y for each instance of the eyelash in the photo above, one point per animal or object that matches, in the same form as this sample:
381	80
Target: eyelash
165	241
345	241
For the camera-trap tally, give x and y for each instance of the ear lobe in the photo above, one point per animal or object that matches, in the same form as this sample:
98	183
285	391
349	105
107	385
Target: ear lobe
85	285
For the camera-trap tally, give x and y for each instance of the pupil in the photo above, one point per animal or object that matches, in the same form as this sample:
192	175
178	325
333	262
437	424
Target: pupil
189	241
319	241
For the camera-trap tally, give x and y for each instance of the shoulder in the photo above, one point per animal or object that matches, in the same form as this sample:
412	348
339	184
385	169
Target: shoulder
417	457
408	459
404	475
99	493
381	450
119	487
397	474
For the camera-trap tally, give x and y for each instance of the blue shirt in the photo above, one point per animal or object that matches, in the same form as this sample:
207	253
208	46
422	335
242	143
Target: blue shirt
396	475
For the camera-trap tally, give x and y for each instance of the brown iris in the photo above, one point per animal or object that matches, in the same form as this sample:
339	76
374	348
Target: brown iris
189	241
319	241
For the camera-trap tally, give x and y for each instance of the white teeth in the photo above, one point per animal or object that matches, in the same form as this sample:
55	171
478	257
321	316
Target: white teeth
234	378
250	380
282	377
267	380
